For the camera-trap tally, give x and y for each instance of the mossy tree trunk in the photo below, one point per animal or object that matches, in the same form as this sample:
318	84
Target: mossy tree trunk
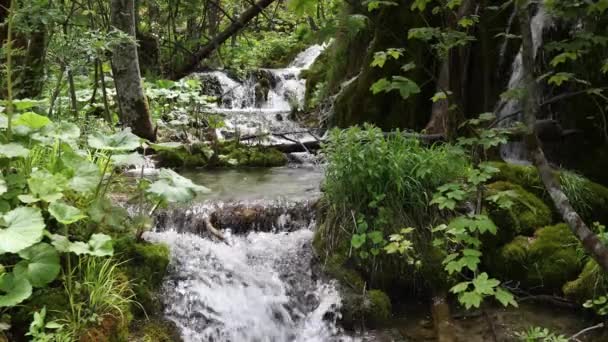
134	109
591	242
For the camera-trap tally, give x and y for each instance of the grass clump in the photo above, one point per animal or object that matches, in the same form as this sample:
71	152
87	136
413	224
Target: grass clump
381	184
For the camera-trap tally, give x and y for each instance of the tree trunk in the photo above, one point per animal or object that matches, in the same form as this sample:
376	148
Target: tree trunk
134	110
592	244
444	118
231	30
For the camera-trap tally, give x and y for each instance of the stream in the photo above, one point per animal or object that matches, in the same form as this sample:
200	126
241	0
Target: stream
262	282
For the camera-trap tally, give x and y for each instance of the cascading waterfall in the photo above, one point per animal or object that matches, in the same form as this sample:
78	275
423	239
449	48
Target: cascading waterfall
261	282
508	115
246	115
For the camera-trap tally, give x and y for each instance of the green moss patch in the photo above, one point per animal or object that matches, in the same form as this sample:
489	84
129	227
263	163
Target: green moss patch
527	214
544	262
591	282
145	265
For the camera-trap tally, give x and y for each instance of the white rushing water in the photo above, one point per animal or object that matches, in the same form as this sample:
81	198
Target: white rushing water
247	115
515	151
259	287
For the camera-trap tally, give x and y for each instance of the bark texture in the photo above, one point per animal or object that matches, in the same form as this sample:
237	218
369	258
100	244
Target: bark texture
231	30
591	242
134	109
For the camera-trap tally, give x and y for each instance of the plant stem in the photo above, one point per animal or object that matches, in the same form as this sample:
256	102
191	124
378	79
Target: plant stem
9	69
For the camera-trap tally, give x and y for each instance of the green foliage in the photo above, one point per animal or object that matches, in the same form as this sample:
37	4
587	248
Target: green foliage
538	334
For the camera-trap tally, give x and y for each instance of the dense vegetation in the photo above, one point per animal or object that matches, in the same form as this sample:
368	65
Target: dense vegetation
417	198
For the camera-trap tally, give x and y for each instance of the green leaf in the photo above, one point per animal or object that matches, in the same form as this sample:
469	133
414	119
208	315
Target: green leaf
483	285
174	188
379	86
376	236
13	150
98	245
32	120
560	78
22	227
3	186
120	141
65	214
166	146
40	264
358	240
470	299
133	159
505	297
15	290
63	131
460	287
44	186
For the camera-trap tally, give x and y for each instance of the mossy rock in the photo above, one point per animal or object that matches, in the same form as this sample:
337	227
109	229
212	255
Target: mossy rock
252	156
370	309
527	214
591	283
146	265
180	157
588	198
378	307
553	257
544	262
154	330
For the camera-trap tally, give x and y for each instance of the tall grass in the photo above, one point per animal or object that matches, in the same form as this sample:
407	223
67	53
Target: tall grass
96	290
387	182
364	165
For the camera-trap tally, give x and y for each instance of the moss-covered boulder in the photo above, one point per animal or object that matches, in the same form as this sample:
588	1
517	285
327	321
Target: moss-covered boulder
146	265
226	155
588	198
545	261
591	282
527	214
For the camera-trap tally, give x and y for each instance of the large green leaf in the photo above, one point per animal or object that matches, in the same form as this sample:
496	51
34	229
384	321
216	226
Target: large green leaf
44	186
99	245
83	175
13	150
40	264
120	141
15	290
22	228
32	120
133	159
65	214
174	188
63	131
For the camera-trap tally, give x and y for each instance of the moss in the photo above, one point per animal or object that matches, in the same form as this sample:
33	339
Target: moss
553	257
154	330
112	328
507	262
180	158
590	283
146	265
378	307
526	215
588	198
544	262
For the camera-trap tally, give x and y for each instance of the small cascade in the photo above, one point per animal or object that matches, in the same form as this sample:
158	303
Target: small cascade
515	151
259	281
264	101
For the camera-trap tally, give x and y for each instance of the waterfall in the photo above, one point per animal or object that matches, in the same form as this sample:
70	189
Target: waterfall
515	151
248	110
261	283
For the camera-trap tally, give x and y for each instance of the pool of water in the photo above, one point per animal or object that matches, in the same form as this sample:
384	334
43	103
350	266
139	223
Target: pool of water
250	184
